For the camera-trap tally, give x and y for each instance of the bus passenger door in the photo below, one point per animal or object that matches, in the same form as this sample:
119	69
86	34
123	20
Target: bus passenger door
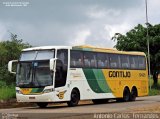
61	73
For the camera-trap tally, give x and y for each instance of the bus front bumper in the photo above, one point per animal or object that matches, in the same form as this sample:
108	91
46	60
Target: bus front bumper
45	97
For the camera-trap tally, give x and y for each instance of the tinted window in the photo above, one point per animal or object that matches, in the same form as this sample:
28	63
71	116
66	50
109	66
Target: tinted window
141	62
125	61
90	60
102	60
63	56
61	68
114	61
133	62
76	59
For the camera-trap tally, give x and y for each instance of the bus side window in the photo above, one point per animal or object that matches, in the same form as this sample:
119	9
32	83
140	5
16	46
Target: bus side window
133	62
114	61
141	62
76	59
73	63
79	62
90	60
106	63
86	63
102	59
62	55
125	61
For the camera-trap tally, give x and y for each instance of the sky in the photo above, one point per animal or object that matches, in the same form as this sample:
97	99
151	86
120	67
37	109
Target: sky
73	22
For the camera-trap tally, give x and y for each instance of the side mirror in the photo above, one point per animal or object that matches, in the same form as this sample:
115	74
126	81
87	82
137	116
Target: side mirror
52	64
10	66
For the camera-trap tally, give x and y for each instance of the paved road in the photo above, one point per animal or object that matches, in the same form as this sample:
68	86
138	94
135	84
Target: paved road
88	108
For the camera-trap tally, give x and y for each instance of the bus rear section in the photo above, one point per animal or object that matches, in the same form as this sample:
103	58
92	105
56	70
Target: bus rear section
109	74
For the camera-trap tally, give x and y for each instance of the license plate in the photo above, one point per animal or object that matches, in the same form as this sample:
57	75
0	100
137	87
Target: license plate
31	97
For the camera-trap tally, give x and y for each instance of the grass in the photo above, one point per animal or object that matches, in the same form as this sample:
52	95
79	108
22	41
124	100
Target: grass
155	89
6	92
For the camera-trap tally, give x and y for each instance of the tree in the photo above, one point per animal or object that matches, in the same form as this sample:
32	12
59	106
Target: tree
136	40
10	50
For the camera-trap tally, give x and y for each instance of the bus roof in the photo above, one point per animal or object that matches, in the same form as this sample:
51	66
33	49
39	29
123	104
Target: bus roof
85	48
47	48
108	50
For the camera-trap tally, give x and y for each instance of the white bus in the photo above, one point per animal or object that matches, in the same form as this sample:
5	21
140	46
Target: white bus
68	74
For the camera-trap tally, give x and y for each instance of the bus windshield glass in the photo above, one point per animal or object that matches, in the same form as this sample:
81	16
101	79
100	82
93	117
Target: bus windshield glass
37	55
33	69
33	74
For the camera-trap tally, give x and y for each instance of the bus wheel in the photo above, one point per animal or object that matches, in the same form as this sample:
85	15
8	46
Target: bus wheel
75	97
42	104
126	95
119	99
133	94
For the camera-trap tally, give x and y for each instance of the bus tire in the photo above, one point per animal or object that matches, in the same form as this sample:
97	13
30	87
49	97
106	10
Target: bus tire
42	104
133	94
75	97
119	99
126	95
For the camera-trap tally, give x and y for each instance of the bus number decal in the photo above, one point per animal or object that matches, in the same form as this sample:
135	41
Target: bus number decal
142	75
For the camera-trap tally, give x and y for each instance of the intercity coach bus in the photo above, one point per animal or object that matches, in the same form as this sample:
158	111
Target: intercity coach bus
69	74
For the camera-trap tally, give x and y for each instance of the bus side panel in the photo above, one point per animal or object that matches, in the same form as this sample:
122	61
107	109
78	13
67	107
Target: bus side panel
118	81
91	85
87	84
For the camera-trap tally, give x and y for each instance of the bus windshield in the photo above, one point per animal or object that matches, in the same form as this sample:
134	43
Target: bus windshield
33	69
33	74
37	55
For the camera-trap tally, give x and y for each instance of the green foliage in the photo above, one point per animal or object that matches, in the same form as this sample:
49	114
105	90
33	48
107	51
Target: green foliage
155	89
7	92
133	40
136	40
3	84
10	50
154	92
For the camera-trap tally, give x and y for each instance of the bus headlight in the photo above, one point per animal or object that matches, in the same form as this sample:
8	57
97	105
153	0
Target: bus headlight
18	91
48	90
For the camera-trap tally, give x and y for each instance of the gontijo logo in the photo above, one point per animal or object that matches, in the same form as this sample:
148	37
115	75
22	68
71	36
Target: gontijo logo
124	74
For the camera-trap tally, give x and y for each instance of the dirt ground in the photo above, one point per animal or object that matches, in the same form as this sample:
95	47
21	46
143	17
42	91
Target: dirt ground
12	103
146	109
155	108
